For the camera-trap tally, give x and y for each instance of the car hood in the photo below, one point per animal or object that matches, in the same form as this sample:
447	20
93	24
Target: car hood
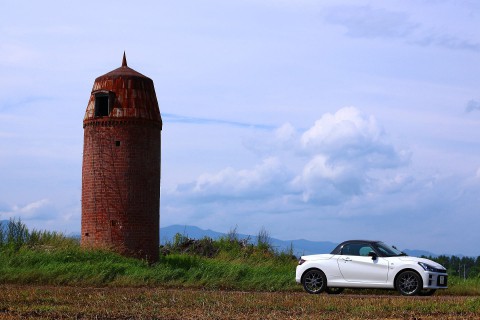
427	261
325	256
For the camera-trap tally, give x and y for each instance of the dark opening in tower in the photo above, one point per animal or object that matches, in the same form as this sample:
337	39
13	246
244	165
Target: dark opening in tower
102	105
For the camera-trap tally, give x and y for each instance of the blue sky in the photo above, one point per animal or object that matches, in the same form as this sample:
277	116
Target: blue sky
323	120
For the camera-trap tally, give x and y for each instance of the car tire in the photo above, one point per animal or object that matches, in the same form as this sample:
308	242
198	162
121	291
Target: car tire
409	283
427	292
331	290
314	281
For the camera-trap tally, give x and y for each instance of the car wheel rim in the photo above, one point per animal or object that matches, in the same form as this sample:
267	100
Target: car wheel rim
314	281
408	283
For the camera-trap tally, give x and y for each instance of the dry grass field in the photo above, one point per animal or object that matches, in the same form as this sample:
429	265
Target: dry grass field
57	302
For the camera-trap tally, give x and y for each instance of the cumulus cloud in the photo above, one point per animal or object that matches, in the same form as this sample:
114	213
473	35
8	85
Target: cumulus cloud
261	181
350	136
345	147
274	142
37	210
286	133
396	183
327	164
327	183
347	128
341	173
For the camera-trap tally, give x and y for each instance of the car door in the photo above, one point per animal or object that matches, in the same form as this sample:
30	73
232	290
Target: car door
357	266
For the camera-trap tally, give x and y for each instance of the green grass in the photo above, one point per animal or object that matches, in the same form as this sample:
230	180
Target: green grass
47	258
463	287
52	259
76	266
81	267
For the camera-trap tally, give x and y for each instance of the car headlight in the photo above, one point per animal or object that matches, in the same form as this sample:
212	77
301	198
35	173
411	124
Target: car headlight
301	261
428	267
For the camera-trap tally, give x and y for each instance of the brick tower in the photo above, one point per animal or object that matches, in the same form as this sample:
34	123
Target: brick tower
121	165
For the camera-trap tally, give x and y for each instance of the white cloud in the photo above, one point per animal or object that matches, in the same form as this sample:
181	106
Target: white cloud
286	133
263	180
396	183
346	128
318	167
39	209
350	138
327	183
43	215
328	164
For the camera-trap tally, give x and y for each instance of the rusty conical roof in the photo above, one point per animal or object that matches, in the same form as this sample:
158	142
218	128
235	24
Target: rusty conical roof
132	93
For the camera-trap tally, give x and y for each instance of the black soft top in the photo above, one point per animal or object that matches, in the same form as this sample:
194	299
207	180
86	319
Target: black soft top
338	248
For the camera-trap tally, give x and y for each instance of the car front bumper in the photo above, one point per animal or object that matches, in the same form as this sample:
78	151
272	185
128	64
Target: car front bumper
435	280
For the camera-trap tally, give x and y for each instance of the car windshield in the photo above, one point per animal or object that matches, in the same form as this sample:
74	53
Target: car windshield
389	251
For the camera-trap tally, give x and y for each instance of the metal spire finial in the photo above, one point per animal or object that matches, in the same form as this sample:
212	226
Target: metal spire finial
124	61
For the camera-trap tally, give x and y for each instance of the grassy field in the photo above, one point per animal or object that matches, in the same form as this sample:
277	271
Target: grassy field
48	302
46	275
51	259
101	268
74	266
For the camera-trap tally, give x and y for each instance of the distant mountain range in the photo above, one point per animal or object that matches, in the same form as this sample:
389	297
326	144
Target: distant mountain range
300	247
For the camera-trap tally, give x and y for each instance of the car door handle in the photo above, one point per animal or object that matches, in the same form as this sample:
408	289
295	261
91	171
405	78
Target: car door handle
346	259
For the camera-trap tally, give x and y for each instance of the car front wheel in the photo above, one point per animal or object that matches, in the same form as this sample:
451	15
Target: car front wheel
409	283
314	281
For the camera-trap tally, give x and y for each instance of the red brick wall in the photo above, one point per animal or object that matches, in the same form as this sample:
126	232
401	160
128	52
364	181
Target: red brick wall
121	186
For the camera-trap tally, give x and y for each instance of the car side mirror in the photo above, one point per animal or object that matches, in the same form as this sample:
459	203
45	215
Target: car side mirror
373	255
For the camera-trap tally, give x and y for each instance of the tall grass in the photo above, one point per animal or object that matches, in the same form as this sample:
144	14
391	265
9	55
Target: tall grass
49	258
15	235
74	266
464	287
43	257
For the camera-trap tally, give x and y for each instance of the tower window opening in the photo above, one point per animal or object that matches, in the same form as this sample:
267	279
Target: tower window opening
101	105
117	143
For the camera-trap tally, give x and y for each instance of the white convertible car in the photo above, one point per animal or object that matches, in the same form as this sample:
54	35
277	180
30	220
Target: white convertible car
369	264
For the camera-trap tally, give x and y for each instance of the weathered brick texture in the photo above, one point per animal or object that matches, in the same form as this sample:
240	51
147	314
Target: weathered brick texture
121	167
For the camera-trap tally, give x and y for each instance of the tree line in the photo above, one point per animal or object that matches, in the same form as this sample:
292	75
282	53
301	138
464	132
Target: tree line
463	267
